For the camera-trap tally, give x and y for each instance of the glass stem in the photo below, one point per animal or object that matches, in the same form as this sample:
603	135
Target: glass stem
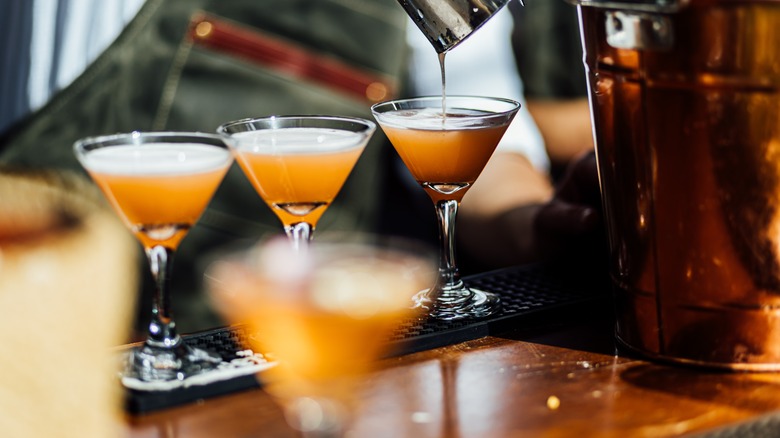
299	234
162	328
449	277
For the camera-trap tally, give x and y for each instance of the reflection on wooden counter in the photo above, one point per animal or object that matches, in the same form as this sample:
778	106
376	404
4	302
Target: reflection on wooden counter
502	387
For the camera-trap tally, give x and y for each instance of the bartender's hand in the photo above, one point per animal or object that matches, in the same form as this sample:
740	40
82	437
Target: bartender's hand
514	215
570	225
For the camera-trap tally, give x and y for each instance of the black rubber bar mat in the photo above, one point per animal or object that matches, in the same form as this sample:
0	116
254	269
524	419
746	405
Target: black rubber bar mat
530	294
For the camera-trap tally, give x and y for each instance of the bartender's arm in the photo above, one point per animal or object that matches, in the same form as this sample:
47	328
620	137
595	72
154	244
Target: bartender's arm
495	220
513	215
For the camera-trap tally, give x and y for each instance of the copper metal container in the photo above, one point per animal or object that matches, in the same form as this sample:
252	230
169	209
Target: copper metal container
685	98
446	23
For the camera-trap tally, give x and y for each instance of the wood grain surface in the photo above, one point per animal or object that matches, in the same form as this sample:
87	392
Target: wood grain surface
562	379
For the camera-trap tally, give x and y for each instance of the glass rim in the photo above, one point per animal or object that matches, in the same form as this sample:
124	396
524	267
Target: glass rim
138	137
514	104
222	129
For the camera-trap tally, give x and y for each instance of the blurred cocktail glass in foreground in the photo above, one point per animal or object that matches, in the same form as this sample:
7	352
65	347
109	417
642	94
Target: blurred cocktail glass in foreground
159	184
325	313
445	151
298	164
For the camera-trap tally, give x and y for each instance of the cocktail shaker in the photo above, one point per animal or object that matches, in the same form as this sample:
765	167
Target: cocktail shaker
448	22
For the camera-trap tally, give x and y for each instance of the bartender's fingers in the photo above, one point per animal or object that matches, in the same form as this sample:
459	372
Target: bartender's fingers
563	219
580	183
566	231
571	224
576	207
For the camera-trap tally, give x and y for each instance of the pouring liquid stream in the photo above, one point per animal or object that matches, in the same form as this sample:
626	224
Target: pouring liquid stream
442	57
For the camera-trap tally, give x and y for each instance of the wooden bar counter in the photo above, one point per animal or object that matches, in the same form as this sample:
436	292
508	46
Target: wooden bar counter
556	379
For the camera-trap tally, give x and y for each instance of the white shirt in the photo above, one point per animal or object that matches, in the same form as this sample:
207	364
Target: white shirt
87	35
483	65
62	38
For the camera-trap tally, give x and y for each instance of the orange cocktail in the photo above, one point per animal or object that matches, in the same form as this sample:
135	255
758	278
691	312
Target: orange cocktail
298	164
325	314
298	185
159	183
329	326
445	149
160	209
441	158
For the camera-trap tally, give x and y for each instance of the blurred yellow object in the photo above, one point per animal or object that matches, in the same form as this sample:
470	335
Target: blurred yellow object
67	282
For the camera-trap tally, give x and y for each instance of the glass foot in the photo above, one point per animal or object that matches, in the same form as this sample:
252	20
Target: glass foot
317	417
460	303
154	364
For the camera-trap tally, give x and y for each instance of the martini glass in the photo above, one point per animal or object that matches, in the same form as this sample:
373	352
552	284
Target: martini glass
325	313
445	152
298	164
159	184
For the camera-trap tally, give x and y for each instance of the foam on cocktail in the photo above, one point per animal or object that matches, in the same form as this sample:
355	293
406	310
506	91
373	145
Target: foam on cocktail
298	140
430	119
157	159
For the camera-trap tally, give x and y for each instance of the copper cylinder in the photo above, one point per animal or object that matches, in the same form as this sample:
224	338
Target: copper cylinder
685	98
